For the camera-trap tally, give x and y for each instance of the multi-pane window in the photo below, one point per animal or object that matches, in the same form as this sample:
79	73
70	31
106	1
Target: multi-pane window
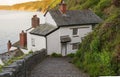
75	46
75	31
33	42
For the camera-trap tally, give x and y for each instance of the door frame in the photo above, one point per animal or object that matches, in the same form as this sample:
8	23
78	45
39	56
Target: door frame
65	46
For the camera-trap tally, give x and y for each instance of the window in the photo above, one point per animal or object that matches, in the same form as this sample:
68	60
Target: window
33	42
75	46
75	31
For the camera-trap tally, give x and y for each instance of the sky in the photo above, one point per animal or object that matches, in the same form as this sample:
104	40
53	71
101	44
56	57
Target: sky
11	2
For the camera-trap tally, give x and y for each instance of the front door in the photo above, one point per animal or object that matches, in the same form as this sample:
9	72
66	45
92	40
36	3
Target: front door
64	49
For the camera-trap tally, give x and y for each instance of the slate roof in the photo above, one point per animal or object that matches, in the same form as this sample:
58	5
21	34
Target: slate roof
65	39
43	29
17	44
75	17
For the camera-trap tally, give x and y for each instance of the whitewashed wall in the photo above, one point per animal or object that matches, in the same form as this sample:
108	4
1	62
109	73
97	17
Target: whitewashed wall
69	31
40	42
53	43
49	19
53	40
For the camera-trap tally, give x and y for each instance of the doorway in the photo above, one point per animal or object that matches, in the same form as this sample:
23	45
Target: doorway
64	49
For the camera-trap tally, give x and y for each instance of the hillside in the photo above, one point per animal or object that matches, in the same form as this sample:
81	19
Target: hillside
4	7
32	6
99	53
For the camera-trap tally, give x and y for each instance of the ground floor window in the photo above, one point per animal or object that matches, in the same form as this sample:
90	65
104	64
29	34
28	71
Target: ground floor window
75	46
33	42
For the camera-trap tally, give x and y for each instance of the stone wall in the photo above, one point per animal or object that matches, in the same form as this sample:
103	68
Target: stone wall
22	67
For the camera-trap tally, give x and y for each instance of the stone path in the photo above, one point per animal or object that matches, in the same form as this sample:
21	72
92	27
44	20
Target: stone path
56	67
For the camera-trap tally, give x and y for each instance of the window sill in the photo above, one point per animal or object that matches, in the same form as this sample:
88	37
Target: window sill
33	45
75	35
74	49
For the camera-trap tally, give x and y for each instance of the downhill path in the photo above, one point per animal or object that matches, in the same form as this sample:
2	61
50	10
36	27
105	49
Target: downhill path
56	67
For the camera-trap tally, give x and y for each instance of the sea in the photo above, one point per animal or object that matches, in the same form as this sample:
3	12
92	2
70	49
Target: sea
12	23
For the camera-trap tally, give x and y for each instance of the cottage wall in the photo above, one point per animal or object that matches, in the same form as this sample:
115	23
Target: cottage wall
36	42
53	43
49	19
83	30
53	40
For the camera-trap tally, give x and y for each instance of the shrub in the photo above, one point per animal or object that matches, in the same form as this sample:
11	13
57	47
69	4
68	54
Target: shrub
95	45
56	55
116	3
1	68
71	55
30	52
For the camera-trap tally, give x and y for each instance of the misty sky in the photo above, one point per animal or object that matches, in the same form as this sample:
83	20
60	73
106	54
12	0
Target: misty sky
11	2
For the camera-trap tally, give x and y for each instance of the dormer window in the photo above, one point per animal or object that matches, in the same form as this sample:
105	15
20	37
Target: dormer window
75	31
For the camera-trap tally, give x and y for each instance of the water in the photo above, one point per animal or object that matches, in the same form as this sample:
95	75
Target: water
12	23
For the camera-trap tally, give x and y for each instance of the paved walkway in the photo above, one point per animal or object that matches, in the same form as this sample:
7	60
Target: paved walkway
56	67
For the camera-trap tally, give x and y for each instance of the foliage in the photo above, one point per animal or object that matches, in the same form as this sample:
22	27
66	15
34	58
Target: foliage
95	45
30	52
71	55
56	55
13	59
1	68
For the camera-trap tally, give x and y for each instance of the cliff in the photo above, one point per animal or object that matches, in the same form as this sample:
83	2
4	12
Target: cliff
32	6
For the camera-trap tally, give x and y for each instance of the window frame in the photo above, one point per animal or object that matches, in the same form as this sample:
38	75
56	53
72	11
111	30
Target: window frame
75	46
75	31
33	42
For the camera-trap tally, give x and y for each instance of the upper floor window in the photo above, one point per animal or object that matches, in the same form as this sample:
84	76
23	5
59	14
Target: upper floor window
75	31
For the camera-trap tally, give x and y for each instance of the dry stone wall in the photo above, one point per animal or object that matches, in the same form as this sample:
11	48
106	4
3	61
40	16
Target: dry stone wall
23	67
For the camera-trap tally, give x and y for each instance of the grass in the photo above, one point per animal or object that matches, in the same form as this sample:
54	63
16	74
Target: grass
56	55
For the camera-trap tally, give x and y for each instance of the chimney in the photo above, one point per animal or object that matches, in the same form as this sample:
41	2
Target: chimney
63	7
35	21
23	39
9	44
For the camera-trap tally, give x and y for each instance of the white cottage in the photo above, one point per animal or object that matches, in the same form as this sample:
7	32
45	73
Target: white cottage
62	31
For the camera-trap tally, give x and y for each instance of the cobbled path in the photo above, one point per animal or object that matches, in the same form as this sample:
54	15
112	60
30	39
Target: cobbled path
56	67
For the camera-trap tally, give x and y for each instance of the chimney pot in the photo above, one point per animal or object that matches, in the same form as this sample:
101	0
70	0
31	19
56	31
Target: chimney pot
63	7
9	45
35	21
22	32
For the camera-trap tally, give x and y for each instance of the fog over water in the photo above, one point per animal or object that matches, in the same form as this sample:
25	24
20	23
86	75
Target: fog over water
12	23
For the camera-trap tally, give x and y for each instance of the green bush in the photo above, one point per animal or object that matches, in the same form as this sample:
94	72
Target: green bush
1	68
89	3
71	55
103	4
56	55
30	52
95	63
95	45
